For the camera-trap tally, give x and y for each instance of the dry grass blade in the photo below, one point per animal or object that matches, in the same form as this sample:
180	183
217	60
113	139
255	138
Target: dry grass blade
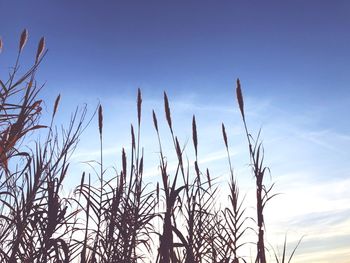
240	98
82	180
23	39
284	259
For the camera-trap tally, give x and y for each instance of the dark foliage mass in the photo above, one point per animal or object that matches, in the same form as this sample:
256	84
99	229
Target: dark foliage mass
120	218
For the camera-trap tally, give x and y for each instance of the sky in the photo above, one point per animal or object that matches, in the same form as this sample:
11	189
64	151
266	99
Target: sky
293	62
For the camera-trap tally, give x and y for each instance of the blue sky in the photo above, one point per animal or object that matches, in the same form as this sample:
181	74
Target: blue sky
293	62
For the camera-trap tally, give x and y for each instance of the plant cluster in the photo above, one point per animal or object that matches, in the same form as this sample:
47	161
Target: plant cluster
120	218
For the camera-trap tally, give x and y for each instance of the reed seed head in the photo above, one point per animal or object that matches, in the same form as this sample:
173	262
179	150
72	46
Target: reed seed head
155	122
23	39
194	134
224	134
124	161
208	178
167	110
240	98
100	119
36	104
57	101
139	102
41	48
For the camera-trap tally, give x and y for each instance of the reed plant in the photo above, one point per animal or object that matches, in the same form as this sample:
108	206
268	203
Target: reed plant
34	217
112	215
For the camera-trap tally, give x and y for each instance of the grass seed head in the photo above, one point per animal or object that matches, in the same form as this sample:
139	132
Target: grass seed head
208	178
139	102
23	39
194	134
155	122
124	162
57	101
1	44
224	134
41	48
167	110
240	98
100	119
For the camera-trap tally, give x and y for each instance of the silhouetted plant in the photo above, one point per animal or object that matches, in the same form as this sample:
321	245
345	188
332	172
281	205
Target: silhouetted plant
33	215
112	217
119	212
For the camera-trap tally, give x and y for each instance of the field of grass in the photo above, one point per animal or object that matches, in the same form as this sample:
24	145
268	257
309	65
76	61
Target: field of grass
121	218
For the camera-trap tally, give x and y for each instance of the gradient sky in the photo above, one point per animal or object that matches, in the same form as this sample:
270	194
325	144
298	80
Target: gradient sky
293	60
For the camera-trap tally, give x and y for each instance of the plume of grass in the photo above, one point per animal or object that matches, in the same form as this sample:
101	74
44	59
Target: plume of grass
185	240
34	220
194	135
57	101
262	193
113	219
166	251
23	39
167	111
118	213
40	50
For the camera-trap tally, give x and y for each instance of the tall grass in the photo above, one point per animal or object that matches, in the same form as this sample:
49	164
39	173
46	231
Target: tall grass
113	216
34	217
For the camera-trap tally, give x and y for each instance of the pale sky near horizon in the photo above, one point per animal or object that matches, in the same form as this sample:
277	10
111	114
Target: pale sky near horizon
293	60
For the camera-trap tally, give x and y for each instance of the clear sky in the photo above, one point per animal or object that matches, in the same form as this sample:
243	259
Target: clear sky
293	59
